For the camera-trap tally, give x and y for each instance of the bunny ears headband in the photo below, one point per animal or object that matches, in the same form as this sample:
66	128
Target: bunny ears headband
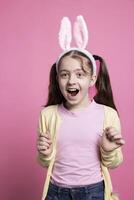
80	33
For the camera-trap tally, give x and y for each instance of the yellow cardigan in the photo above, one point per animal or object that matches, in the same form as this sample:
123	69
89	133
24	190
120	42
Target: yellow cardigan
49	120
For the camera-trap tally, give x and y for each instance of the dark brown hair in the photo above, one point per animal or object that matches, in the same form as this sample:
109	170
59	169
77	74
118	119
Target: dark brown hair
104	94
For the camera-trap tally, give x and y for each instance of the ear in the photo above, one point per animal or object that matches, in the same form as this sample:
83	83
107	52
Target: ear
80	32
65	34
93	80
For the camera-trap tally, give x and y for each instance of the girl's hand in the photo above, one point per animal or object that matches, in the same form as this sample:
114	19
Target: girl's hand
111	139
44	144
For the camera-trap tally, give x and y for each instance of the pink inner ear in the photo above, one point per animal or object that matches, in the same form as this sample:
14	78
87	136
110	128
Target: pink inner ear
80	32
77	34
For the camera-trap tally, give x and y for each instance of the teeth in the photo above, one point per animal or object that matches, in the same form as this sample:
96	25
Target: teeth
72	89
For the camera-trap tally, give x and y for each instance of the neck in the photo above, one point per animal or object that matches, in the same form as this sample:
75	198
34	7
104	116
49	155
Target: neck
78	106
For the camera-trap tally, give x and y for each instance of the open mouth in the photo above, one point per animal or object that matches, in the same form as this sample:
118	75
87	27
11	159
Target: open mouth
73	91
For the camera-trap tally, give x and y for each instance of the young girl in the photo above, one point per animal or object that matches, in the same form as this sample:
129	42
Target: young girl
79	138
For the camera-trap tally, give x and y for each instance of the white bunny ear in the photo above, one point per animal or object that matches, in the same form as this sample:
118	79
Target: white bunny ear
65	34
80	32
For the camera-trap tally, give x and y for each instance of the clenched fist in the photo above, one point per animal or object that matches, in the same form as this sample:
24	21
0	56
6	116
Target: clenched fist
111	139
44	144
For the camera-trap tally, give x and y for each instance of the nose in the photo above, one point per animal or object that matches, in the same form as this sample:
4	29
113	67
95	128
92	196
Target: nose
72	79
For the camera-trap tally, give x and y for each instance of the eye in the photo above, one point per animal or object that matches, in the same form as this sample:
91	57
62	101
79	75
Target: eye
80	74
64	75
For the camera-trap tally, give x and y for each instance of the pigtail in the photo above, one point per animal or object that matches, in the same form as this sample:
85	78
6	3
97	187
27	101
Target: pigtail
54	94
104	93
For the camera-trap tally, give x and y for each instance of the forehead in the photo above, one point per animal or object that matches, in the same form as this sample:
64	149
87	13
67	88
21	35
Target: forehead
68	63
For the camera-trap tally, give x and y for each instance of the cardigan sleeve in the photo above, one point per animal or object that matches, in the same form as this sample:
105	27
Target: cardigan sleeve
113	158
42	128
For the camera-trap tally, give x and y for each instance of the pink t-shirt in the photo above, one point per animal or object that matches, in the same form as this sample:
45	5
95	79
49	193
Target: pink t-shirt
77	160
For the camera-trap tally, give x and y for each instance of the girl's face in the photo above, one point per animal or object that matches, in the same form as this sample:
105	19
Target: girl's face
74	83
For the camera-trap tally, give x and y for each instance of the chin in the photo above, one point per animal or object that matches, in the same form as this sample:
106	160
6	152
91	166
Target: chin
72	103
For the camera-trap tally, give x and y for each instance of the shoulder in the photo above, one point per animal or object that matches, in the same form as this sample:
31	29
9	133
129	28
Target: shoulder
110	111
111	118
107	109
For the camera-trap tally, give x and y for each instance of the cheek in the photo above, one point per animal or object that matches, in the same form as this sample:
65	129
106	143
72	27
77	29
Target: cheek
62	84
85	84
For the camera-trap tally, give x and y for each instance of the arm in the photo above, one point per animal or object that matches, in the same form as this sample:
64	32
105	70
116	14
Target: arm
114	157
111	159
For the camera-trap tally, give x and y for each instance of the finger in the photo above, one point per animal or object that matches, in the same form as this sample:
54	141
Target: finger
40	148
44	136
44	139
45	152
111	133
43	144
120	141
117	136
114	135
